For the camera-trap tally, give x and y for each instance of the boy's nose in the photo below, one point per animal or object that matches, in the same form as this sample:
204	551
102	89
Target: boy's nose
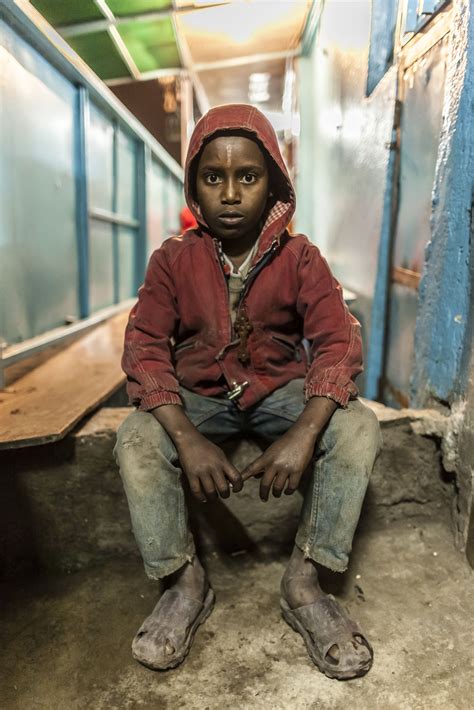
231	193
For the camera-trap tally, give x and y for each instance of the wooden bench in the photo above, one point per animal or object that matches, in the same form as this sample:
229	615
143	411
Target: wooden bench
45	404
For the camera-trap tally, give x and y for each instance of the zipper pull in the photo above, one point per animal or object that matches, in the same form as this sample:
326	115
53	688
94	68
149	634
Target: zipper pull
237	390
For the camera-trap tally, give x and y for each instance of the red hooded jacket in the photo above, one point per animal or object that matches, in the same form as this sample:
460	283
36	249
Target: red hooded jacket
180	331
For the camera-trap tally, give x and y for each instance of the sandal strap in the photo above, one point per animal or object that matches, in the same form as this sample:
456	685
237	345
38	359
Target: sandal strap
328	624
175	619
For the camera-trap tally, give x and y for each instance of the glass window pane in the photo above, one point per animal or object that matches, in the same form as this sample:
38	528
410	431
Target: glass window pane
100	152
126	175
101	265
127	240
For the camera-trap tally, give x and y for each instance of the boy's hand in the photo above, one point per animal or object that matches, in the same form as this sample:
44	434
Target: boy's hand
208	470
283	463
205	465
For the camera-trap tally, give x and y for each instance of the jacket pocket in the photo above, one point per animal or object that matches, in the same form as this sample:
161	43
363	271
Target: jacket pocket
289	345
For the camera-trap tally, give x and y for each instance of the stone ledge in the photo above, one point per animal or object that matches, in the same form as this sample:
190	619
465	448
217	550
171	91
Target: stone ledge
63	507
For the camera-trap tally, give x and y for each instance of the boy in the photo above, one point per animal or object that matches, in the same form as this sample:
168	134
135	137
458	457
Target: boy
213	348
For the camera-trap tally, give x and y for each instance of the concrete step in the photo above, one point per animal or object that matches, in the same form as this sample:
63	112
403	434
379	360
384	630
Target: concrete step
63	507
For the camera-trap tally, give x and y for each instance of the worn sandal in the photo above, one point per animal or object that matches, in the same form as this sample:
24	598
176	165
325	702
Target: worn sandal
165	637
324	624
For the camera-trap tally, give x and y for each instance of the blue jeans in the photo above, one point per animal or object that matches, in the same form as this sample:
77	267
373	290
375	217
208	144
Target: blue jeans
339	474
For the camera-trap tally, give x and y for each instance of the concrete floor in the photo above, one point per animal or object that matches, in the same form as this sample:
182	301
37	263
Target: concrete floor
67	640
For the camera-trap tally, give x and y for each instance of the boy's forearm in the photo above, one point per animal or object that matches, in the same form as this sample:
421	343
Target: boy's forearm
316	414
173	419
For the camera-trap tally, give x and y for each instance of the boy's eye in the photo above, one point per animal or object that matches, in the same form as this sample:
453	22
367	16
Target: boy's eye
212	179
249	178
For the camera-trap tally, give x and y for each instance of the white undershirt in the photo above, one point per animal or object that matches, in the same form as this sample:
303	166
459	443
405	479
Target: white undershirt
236	279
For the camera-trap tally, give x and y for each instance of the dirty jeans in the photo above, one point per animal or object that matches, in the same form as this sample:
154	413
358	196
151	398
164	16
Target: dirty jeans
338	474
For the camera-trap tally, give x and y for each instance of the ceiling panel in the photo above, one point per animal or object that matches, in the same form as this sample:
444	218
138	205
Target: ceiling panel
99	52
242	28
152	44
122	8
68	12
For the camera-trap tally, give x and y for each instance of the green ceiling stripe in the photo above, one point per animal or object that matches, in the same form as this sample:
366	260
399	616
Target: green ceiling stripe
152	45
68	12
122	8
99	52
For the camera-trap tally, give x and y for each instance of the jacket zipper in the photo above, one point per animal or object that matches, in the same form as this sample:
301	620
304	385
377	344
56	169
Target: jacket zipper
252	273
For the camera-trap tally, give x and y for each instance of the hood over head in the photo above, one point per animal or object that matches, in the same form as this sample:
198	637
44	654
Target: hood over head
243	118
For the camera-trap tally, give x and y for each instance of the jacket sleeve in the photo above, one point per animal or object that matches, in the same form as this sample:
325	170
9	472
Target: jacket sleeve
147	357
333	333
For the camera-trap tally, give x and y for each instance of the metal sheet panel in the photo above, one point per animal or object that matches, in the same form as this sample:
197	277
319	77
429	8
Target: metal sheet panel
400	345
100	157
101	265
174	203
423	96
155	204
420	128
38	252
127	241
126	200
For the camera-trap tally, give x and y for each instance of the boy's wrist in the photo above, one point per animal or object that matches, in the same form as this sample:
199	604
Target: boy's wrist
176	424
306	430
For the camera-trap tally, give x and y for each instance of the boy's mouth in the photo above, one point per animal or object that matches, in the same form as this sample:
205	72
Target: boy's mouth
230	218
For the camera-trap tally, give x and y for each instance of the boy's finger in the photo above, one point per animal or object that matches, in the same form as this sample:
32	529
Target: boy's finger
253	468
209	488
234	477
221	484
266	483
293	483
279	484
196	490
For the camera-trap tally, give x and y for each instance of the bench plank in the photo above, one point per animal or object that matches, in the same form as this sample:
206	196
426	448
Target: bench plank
45	404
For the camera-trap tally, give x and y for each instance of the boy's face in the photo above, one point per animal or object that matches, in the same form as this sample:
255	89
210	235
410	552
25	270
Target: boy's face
232	187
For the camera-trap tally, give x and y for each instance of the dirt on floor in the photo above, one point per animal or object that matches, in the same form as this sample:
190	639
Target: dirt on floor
66	640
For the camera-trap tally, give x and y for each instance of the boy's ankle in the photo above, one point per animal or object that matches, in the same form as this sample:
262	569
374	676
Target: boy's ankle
191	579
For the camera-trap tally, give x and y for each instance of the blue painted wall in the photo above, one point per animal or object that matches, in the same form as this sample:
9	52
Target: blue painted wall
443	340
